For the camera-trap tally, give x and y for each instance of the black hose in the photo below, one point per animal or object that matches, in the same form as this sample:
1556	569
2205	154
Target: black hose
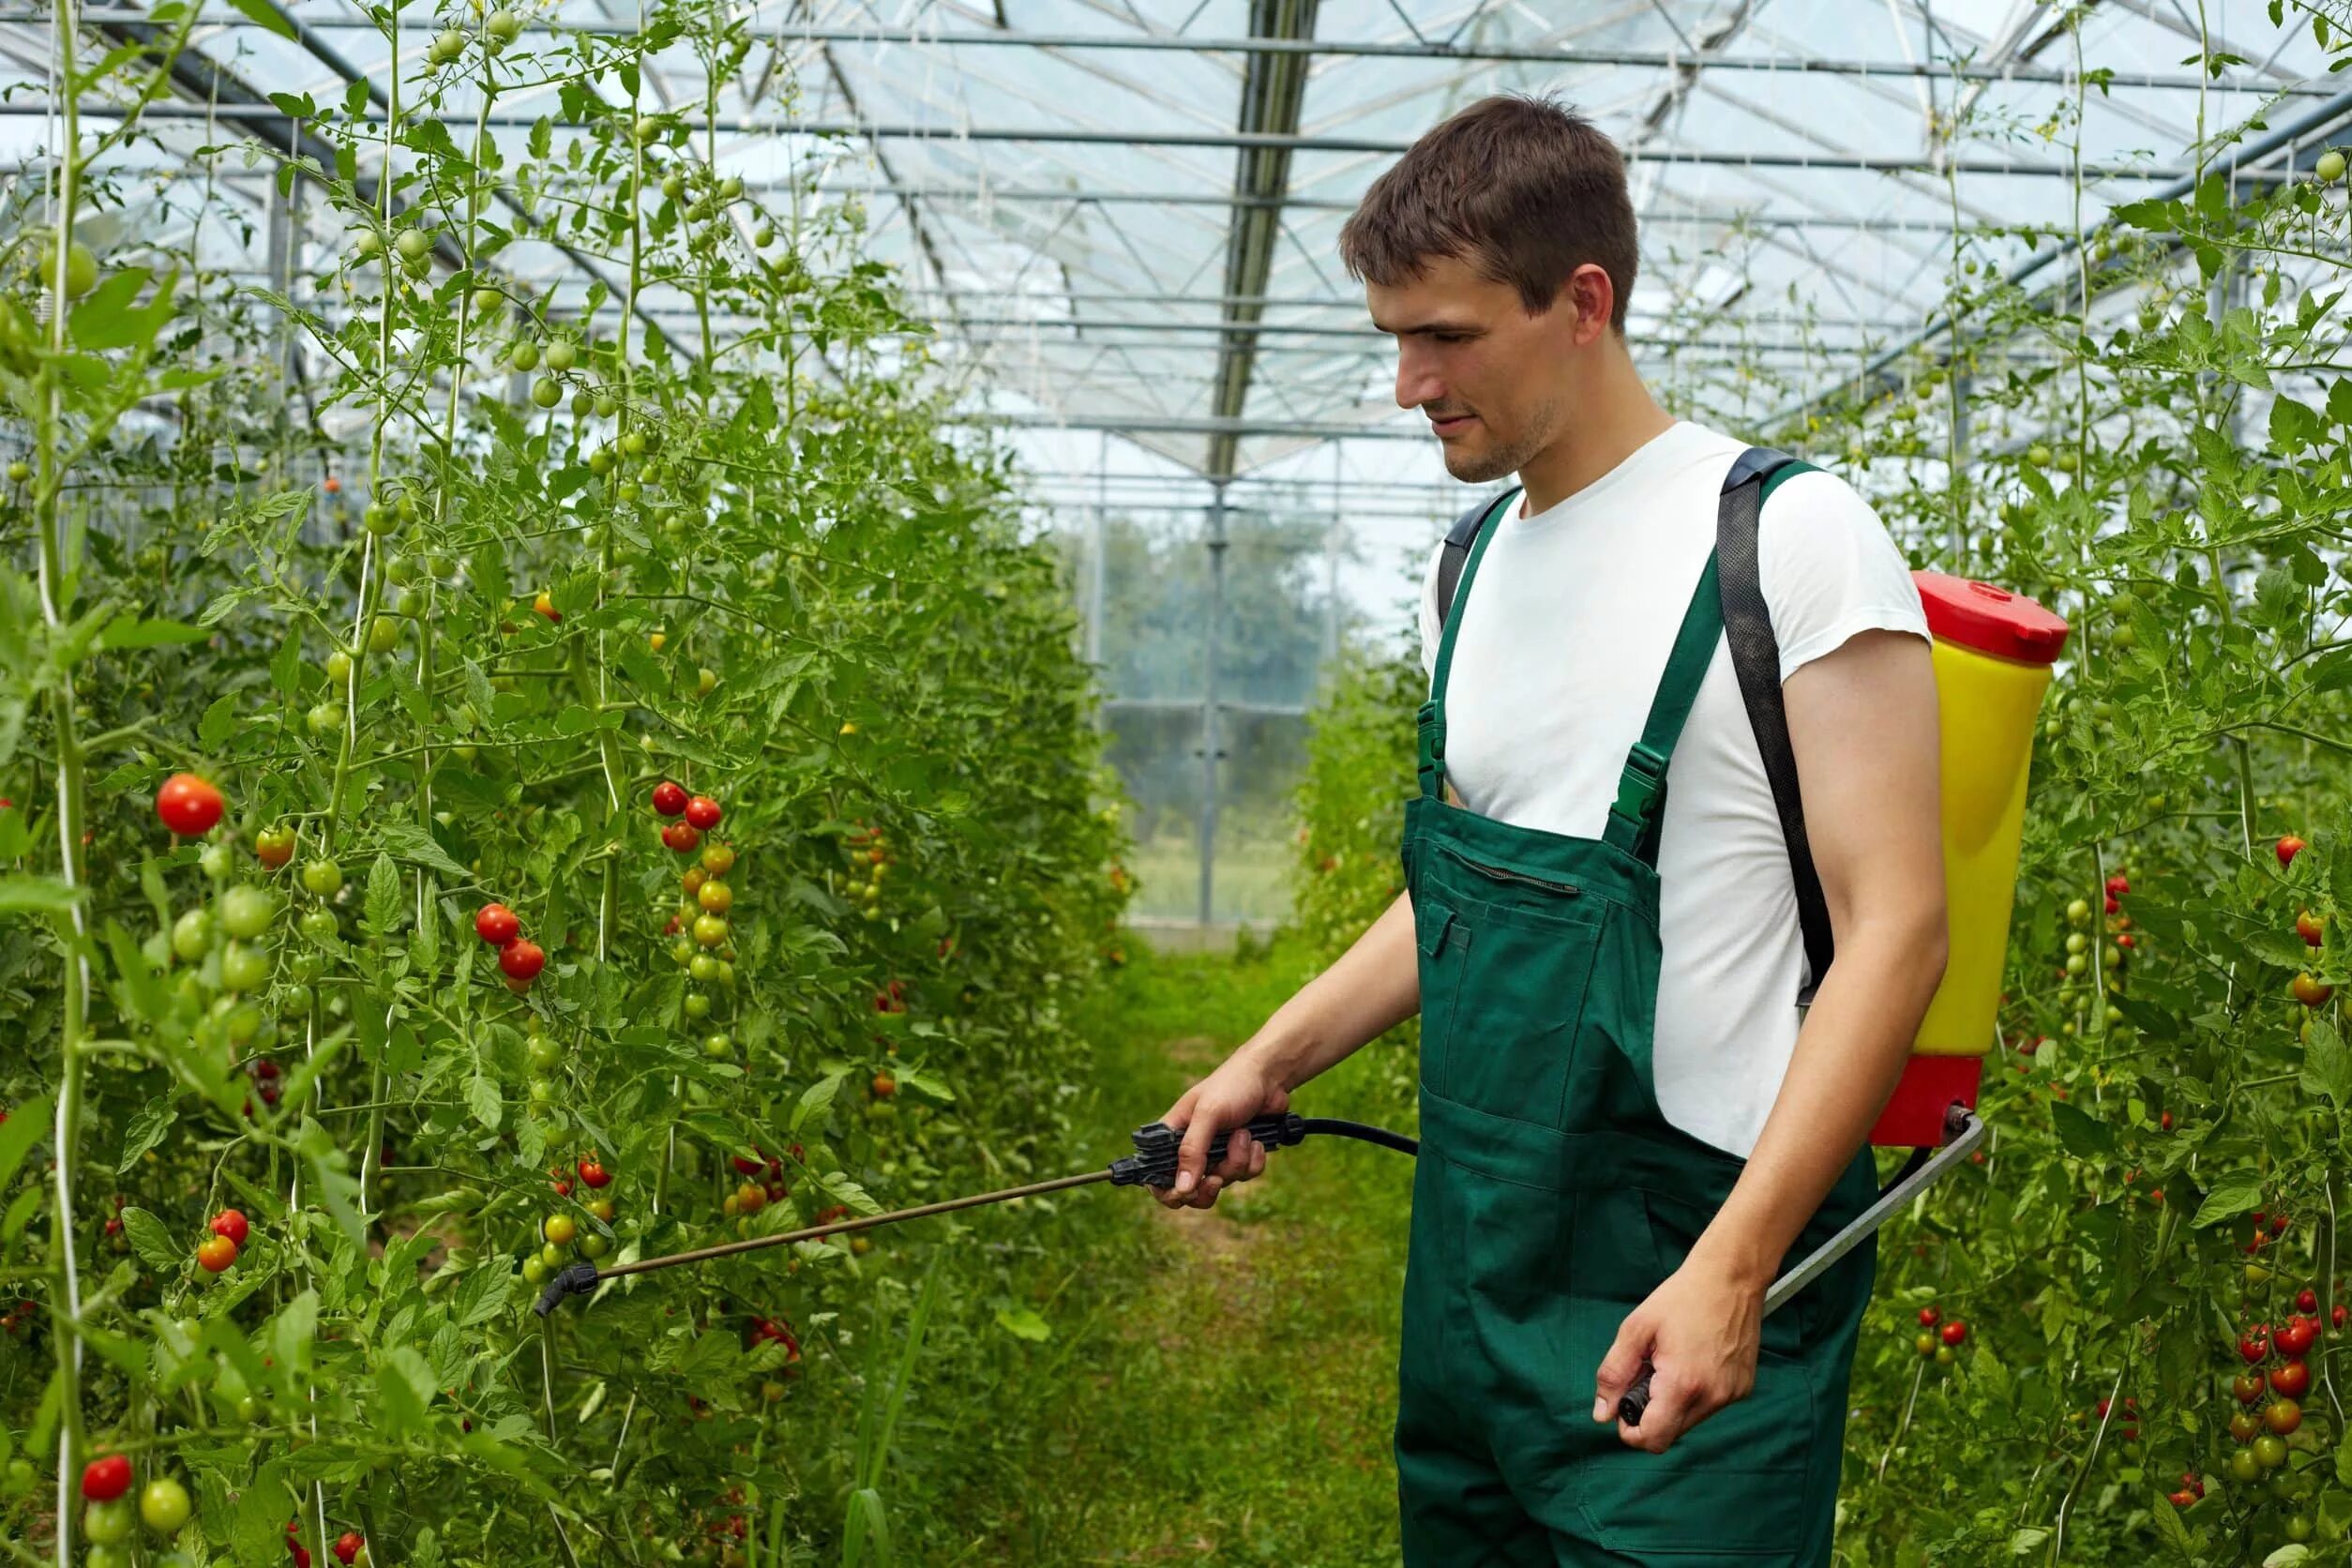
1332	1126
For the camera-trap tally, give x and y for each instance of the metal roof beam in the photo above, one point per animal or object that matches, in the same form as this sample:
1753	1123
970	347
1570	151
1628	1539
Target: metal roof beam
1629	59
749	124
1272	90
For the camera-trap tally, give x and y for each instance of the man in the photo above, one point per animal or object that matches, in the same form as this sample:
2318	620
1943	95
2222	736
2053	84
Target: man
1628	1124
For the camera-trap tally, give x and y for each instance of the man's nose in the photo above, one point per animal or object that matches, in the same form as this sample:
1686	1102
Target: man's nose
1417	380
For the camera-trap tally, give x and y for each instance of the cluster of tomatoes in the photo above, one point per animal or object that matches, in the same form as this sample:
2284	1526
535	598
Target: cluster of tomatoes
560	1231
218	1252
2121	943
17	1317
519	958
2269	1395
700	923
107	1510
870	859
774	1331
764	1183
1938	1337
349	1549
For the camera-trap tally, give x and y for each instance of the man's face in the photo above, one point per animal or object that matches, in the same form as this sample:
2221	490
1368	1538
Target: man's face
1491	377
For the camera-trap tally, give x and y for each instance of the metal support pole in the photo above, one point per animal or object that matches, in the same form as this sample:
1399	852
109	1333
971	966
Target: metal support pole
1211	747
1958	477
1094	571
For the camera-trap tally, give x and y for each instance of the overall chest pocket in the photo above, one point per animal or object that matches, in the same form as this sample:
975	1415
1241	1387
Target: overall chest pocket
1514	967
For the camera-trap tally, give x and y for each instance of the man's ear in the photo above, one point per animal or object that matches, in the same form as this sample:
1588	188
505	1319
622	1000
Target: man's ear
1590	294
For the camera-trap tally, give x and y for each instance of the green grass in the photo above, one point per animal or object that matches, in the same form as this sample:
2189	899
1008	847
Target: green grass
1219	1387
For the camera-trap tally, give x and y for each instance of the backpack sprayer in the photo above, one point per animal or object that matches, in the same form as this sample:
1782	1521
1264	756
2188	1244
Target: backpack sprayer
1993	652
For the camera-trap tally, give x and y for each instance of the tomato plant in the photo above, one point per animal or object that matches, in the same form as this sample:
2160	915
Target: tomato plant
761	588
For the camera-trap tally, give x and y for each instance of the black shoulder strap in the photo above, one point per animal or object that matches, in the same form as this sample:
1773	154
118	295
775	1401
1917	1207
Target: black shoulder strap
1458	540
1747	625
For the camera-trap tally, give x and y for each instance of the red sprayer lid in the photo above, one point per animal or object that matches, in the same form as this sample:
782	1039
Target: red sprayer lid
1988	619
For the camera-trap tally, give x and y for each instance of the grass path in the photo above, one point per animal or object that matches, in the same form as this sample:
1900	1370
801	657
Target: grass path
1225	1384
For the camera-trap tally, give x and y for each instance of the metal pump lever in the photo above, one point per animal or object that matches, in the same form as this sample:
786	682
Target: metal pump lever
1963	1132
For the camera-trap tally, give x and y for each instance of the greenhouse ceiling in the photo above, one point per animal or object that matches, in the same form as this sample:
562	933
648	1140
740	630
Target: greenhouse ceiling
1122	217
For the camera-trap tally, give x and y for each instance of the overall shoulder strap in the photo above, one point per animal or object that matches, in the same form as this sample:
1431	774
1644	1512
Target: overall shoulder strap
1457	550
1755	659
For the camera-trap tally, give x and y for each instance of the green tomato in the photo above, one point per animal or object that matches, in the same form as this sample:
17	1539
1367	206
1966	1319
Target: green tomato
593	1246
246	911
366	244
106	1557
542	1092
683	950
703	967
487	299
2331	167
726	974
413	245
503	25
319	926
19	1478
81	268
191	933
409	605
243	968
2270	1451
551	1255
534	1271
763	236
672	184
606	405
545	1053
600	462
2244	1467
698	1005
107	1523
324	718
633	444
718	1046
164	1506
323	877
547	392
2298	1526
560	354
525	355
216	861
339	667
377	519
383	634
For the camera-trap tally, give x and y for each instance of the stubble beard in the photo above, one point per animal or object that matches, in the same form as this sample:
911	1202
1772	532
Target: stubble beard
1501	460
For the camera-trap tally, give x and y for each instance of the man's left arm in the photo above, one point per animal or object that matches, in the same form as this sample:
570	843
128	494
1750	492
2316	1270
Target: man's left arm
1863	726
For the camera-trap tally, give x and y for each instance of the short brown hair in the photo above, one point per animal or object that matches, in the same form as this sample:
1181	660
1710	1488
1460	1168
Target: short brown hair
1518	187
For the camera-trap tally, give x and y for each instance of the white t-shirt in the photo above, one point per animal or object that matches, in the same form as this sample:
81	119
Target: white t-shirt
1566	633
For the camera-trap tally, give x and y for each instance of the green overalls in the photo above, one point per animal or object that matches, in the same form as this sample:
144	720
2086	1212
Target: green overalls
1551	1196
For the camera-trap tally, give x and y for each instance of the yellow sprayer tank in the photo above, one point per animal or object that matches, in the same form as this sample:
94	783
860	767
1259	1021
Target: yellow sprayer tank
1993	654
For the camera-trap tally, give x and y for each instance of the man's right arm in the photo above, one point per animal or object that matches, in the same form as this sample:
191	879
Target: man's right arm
1375	986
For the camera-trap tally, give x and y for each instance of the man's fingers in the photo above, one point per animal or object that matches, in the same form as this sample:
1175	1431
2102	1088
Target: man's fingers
1620	1367
1663	1421
1191	1154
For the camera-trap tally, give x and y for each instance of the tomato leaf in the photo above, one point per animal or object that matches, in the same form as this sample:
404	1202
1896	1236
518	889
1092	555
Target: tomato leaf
22	1129
414	845
144	1131
152	1242
36	895
484	1100
149	634
2082	1135
262	13
2227	1199
816	1099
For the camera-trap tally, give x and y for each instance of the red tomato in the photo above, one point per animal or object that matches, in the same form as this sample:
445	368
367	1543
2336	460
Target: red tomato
593	1174
231	1224
681	837
2253	1346
522	959
2295	1340
703	812
347	1547
2283	1416
187	806
1929	1317
2247	1386
214	1254
545	609
497	925
668	799
2289	846
2308	927
1955	1332
2118	885
2311	992
2291	1379
105	1479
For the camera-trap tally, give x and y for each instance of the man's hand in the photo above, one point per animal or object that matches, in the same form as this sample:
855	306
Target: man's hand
1238	1092
1699	1331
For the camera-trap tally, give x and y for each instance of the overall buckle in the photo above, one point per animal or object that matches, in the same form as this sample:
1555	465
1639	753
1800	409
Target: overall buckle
1641	787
